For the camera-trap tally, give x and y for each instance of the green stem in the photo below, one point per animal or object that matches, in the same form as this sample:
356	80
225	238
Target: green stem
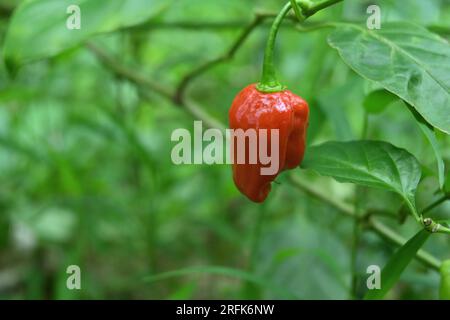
269	81
413	209
393	237
297	10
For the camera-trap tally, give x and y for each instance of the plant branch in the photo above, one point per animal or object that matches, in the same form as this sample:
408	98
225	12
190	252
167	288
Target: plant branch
390	235
127	73
181	88
240	24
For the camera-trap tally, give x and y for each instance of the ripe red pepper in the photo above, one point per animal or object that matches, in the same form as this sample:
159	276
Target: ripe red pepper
282	110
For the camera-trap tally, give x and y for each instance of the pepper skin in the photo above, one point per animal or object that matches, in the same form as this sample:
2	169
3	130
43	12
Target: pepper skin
285	111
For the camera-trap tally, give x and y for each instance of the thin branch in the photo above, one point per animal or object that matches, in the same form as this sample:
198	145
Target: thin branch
120	70
140	80
127	73
202	25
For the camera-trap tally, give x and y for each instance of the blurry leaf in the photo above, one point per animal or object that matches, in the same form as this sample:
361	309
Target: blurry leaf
22	94
338	121
54	224
11	144
405	59
184	292
429	133
444	291
398	262
134	141
417	10
322	252
223	271
4	226
316	118
38	28
368	163
60	292
286	253
332	104
377	101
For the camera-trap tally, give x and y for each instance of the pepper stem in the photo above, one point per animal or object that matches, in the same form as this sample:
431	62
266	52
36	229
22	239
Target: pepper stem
269	81
303	9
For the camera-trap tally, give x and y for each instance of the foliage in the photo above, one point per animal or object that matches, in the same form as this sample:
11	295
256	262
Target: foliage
86	176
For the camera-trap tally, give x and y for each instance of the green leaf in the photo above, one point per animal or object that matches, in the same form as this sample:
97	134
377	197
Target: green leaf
328	102
429	133
444	290
444	222
38	27
223	271
446	183
397	264
405	59
377	101
316	119
369	163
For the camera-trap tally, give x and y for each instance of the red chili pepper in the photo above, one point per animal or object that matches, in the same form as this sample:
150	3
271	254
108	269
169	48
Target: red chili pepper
283	110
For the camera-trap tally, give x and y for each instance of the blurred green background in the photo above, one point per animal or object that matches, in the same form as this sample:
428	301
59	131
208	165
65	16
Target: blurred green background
86	176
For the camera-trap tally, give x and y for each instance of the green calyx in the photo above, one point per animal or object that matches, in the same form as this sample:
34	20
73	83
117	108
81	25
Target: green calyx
270	88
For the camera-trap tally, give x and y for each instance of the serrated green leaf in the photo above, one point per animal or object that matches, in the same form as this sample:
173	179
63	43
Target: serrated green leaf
397	264
368	163
38	27
405	59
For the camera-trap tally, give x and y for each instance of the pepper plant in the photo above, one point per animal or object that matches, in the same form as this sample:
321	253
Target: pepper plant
400	63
